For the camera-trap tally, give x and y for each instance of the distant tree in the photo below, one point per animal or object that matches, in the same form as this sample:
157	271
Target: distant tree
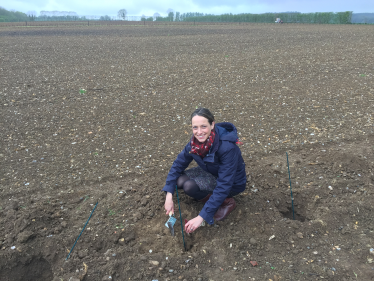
106	17
177	16
171	16
156	15
143	18
122	14
347	17
31	15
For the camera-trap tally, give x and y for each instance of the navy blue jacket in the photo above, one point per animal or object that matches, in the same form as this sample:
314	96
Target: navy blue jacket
224	161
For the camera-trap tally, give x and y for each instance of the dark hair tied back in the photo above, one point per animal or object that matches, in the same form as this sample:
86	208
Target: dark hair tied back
204	112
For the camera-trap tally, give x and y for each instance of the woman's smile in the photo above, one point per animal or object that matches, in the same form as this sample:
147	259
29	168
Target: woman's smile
201	128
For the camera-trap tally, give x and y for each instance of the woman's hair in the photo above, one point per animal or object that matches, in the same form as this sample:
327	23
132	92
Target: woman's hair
204	112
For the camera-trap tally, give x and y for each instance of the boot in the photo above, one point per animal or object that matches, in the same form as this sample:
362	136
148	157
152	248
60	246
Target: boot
226	208
206	198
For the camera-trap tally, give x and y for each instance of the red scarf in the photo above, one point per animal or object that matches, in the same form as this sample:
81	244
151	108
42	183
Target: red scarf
202	148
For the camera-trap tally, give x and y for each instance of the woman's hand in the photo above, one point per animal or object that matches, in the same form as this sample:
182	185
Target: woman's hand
169	204
193	224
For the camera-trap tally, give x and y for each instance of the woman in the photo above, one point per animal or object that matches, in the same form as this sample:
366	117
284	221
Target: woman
219	176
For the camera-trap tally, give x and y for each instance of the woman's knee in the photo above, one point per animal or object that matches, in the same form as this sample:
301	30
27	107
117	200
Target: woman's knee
181	180
190	188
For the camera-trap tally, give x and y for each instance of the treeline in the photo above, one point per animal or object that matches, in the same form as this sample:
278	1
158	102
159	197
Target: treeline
12	16
325	18
57	18
9	16
69	18
287	17
177	16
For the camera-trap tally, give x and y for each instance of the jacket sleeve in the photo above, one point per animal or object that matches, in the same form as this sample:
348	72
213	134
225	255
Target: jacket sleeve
179	165
226	176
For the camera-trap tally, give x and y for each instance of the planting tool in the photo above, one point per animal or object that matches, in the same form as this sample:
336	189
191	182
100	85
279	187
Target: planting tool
171	227
170	223
289	177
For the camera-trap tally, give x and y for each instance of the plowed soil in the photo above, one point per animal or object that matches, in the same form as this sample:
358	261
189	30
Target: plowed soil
95	116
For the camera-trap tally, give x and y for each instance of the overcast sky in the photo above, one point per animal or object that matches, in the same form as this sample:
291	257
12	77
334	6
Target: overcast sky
149	7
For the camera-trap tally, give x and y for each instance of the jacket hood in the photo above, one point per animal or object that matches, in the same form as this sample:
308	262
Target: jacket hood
227	131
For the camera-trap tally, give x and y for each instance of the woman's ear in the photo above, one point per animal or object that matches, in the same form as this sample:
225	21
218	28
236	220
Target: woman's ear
213	123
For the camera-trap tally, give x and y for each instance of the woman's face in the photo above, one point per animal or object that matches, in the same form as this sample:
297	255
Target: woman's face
201	128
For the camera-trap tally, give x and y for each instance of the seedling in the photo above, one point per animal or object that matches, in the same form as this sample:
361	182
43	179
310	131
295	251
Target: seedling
119	225
111	212
362	75
86	198
82	91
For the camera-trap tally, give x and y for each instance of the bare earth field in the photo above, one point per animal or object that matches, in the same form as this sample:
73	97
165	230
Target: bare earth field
303	89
